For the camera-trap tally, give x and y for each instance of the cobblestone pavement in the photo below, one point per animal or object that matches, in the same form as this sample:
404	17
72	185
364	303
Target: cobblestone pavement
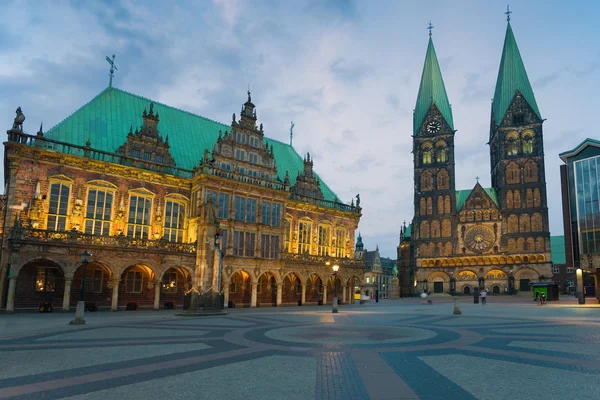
394	349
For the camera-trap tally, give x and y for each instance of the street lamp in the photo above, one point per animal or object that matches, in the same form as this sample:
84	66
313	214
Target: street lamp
79	320
335	299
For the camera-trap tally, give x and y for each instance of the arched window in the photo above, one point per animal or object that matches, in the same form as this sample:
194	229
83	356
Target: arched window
423	206
527	138
424	229
524	223
537	201
441	152
517	198
529	198
324	239
512	144
423	250
429	206
447	204
530	171
304	235
426	181
530	244
440	205
512	173
513	224
446	228
435	229
521	244
540	244
443	181
536	222
448	249
512	245
427	153
509	199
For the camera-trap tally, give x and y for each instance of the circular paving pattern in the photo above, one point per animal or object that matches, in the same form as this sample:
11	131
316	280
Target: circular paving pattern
345	335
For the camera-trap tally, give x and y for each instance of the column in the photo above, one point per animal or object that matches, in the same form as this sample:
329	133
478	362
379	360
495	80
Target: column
279	293
324	294
115	296
344	294
67	295
226	296
303	294
254	295
10	301
157	295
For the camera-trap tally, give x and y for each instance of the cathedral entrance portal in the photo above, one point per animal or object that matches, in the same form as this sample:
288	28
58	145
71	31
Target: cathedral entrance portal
438	287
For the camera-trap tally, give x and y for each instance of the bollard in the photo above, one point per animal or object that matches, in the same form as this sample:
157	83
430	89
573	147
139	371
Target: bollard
457	307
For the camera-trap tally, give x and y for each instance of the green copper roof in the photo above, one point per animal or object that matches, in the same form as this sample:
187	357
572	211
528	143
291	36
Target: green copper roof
511	77
108	117
557	249
408	231
462	195
431	90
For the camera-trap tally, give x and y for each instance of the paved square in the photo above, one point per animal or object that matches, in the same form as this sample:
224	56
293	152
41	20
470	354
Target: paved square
395	349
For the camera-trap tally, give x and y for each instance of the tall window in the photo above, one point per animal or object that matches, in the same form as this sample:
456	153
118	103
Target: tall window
45	280
427	154
340	242
240	208
243	244
304	234
98	212
426	181
275	214
238	243
133	282
270	246
223	205
512	144
266	212
59	203
324	239
93	280
174	214
288	234
250	210
139	217
527	142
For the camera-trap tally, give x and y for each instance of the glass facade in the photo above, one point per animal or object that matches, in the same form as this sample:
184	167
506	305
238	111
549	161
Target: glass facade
586	174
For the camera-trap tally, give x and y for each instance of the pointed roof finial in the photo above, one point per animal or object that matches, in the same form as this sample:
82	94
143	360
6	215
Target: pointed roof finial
249	98
113	67
430	27
508	12
477	179
41	131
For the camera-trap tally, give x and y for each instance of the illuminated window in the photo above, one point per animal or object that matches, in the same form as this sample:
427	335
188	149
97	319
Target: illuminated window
324	239
527	142
98	212
427	153
45	280
243	244
512	144
555	270
304	234
270	246
139	217
340	242
59	203
174	214
169	282
288	234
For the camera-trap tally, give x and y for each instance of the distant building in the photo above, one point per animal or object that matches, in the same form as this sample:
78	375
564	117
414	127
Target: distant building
580	184
561	273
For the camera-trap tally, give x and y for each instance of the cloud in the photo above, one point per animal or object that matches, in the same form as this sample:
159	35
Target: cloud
348	72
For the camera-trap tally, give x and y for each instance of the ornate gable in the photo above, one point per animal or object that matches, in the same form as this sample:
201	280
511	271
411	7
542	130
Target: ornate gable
479	206
306	183
434	124
147	144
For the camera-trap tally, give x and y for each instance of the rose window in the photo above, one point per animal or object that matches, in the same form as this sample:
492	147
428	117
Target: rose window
479	238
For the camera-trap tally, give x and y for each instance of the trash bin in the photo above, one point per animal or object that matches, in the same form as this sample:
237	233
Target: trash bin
475	295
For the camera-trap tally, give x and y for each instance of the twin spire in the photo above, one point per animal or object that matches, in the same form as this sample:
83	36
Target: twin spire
512	77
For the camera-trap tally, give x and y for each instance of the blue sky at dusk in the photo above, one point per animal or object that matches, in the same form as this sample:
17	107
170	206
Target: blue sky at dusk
346	72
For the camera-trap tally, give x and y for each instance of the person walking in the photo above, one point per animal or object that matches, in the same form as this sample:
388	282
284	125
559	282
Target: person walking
483	297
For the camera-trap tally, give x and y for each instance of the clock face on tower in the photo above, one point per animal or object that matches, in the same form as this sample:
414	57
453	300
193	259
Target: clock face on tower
433	127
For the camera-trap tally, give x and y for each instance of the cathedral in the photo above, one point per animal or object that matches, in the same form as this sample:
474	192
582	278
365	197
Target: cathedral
493	238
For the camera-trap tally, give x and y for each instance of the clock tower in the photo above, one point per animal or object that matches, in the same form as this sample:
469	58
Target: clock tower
433	151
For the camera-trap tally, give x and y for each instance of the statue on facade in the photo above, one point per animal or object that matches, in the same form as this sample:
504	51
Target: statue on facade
19	119
358	201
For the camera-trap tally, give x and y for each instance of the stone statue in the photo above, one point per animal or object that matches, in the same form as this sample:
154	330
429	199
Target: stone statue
357	200
18	124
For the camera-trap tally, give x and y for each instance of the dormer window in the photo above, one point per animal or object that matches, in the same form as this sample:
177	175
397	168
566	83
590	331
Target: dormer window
158	159
147	156
135	153
253	158
254	142
241	137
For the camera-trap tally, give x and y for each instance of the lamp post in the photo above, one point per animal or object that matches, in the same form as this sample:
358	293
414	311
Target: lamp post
79	320
335	299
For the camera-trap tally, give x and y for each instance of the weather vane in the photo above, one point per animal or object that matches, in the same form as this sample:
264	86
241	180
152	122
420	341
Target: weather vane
430	27
291	132
508	12
113	67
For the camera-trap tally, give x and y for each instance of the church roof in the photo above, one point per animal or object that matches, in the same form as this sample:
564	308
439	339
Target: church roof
557	249
108	117
511	77
370	256
431	90
462	195
408	231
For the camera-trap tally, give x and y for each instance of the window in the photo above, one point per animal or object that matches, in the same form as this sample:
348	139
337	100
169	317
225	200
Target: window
133	282
512	173
174	214
241	137
555	270
238	243
253	158
530	171
288	234
240	155
304	234
270	246
324	239
147	156
223	241
226	166
135	153
240	208
527	142
211	194
253	141
518	119
266	212
45	280
569	270
512	144
426	181
169	282
275	214
243	244
443	180
93	280
98	212
340	242
59	203
427	151
139	217
250	210
569	283
223	205
158	159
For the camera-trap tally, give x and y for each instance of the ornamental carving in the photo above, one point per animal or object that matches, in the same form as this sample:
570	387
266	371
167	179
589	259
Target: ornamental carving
479	238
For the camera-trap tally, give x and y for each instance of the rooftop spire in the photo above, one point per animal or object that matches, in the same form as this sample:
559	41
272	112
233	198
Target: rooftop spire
113	67
511	77
508	12
431	90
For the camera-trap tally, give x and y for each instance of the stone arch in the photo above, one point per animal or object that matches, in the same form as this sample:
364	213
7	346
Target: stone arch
426	181
175	284
513	173
266	289
530	171
314	288
98	284
438	282
136	289
512	143
443	180
466	275
513	223
40	280
352	288
495	274
525	274
330	288
240	288
291	288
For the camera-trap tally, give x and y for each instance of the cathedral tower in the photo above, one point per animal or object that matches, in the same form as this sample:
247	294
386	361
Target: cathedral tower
433	152
517	157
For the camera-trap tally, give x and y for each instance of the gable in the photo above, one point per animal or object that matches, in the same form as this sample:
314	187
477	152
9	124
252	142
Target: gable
463	195
108	117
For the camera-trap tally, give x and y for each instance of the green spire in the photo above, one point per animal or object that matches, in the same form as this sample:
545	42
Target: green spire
359	243
511	77
431	90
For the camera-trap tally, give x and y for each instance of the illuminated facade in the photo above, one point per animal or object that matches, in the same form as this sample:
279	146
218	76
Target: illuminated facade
496	238
167	201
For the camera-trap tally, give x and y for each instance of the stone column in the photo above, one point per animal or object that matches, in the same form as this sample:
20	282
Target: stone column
324	294
157	295
343	294
279	293
67	295
115	296
303	294
10	301
254	295
226	296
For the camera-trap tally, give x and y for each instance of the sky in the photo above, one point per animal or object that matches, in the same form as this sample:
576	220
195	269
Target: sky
346	72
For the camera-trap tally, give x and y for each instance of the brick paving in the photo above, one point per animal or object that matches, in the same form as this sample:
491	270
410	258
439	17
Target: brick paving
394	349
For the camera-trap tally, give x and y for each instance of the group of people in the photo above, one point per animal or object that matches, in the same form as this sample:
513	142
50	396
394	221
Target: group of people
540	297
